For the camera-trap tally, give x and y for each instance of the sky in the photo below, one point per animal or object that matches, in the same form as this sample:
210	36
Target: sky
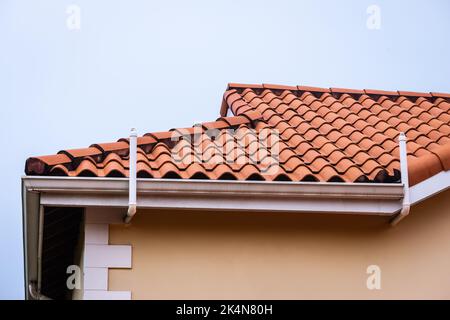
73	73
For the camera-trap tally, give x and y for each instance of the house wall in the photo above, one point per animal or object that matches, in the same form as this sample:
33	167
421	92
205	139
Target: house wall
201	255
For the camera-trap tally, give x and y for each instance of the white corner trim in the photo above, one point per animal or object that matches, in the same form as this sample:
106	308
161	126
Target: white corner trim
95	278
99	256
107	256
427	188
106	295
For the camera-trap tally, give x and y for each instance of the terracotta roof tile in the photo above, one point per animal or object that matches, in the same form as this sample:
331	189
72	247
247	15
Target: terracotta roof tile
244	86
334	134
119	146
349	91
278	87
42	165
414	94
77	153
159	135
235	121
145	140
219	124
380	92
440	95
312	89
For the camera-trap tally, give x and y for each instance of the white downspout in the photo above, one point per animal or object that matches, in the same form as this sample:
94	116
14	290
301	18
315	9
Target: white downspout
34	294
132	177
404	173
34	288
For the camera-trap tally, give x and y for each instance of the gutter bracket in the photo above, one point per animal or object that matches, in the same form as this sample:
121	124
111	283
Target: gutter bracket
406	205
132	184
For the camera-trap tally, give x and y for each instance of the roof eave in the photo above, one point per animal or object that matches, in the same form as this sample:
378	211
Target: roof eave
353	198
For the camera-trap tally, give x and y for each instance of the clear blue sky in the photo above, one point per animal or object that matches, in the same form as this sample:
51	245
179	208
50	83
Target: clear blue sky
156	65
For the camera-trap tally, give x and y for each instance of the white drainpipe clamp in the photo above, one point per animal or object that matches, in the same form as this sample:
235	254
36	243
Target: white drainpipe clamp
132	177
405	181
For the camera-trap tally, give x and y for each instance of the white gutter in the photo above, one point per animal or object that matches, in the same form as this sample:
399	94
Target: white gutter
132	177
429	187
353	198
405	181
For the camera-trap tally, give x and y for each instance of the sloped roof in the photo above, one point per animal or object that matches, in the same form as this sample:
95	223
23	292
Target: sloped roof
324	135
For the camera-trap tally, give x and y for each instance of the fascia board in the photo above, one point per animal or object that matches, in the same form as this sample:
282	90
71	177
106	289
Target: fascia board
429	187
199	187
30	227
365	198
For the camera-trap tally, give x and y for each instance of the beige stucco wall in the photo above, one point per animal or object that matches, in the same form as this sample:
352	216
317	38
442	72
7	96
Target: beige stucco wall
195	255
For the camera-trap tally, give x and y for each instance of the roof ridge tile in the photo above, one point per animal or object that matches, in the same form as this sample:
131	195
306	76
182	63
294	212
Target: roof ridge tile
440	95
344	90
414	94
380	92
278	87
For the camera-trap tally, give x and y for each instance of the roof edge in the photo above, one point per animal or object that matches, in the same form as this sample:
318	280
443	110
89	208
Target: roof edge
216	195
429	187
413	94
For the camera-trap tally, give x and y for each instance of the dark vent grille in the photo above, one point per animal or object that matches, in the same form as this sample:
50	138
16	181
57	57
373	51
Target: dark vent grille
60	240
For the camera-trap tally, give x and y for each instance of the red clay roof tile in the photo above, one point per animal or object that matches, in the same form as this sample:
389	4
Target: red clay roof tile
380	92
218	124
349	91
414	94
312	89
59	170
159	135
351	137
440	95
244	86
112	146
235	121
145	140
78	153
42	165
278	87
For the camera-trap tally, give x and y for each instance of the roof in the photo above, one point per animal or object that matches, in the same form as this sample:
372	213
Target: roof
327	135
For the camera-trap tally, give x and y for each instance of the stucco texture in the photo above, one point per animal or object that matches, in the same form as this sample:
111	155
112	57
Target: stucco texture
232	255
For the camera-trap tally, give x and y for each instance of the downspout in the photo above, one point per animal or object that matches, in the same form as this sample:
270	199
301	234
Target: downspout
39	254
34	294
132	177
404	174
34	287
